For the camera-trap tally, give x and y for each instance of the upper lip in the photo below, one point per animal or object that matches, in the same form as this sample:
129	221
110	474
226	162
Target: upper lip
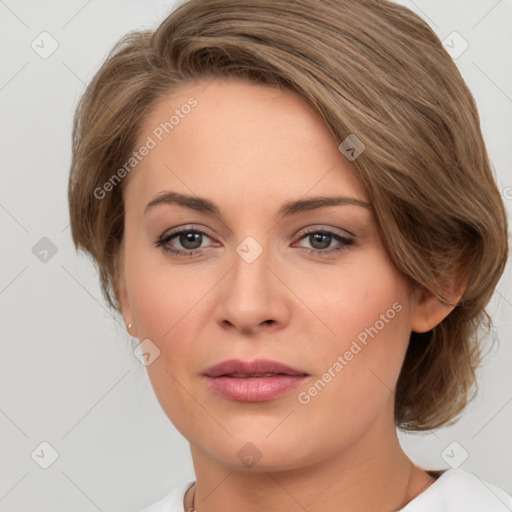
257	367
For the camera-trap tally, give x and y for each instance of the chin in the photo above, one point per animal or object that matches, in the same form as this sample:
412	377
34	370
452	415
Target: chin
253	452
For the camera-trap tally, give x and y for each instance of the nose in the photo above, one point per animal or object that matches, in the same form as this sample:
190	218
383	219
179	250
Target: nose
252	297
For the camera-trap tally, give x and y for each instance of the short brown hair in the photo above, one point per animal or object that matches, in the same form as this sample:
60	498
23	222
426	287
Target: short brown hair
370	68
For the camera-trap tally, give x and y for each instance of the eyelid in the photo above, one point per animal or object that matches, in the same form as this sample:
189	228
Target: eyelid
187	228
328	229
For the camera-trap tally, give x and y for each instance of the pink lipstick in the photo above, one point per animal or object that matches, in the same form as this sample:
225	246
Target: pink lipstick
253	381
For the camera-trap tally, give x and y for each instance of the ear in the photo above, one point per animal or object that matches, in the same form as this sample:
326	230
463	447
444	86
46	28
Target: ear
428	311
121	292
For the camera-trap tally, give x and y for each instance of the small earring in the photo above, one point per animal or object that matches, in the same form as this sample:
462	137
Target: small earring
129	326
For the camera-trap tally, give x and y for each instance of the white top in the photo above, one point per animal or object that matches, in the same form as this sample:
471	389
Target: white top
454	491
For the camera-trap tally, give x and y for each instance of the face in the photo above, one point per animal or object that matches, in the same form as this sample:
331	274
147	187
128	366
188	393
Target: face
239	272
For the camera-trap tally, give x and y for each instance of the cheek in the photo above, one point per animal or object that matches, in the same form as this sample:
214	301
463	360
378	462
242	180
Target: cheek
366	312
162	296
363	298
166	304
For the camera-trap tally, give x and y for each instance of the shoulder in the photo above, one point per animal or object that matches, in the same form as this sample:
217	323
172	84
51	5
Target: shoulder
458	491
171	502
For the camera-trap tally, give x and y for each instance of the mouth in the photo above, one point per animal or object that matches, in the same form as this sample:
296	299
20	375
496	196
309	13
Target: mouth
246	369
253	381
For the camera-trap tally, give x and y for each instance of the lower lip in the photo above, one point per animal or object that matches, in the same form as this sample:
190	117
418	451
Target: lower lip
254	389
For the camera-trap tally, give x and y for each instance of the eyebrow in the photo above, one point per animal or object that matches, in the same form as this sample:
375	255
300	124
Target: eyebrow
289	208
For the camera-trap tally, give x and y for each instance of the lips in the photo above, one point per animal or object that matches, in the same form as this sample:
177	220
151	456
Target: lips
256	368
253	381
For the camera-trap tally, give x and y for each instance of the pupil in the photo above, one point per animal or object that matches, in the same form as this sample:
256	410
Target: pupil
190	238
316	237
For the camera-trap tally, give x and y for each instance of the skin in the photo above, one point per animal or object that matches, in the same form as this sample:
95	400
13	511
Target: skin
249	149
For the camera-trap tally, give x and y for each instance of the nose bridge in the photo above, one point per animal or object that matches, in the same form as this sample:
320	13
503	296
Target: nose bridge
250	277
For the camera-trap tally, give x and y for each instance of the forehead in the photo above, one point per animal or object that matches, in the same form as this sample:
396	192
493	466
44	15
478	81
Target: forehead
237	140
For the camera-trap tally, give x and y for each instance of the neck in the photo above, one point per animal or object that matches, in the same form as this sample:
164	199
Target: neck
373	473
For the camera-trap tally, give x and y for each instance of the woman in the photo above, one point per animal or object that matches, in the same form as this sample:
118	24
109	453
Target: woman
291	206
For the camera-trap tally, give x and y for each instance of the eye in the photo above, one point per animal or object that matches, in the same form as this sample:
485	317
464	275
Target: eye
190	240
321	241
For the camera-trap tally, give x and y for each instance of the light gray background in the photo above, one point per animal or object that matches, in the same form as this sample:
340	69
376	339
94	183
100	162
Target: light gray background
67	372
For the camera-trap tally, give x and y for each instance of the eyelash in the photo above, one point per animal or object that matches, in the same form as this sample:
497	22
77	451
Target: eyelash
164	240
